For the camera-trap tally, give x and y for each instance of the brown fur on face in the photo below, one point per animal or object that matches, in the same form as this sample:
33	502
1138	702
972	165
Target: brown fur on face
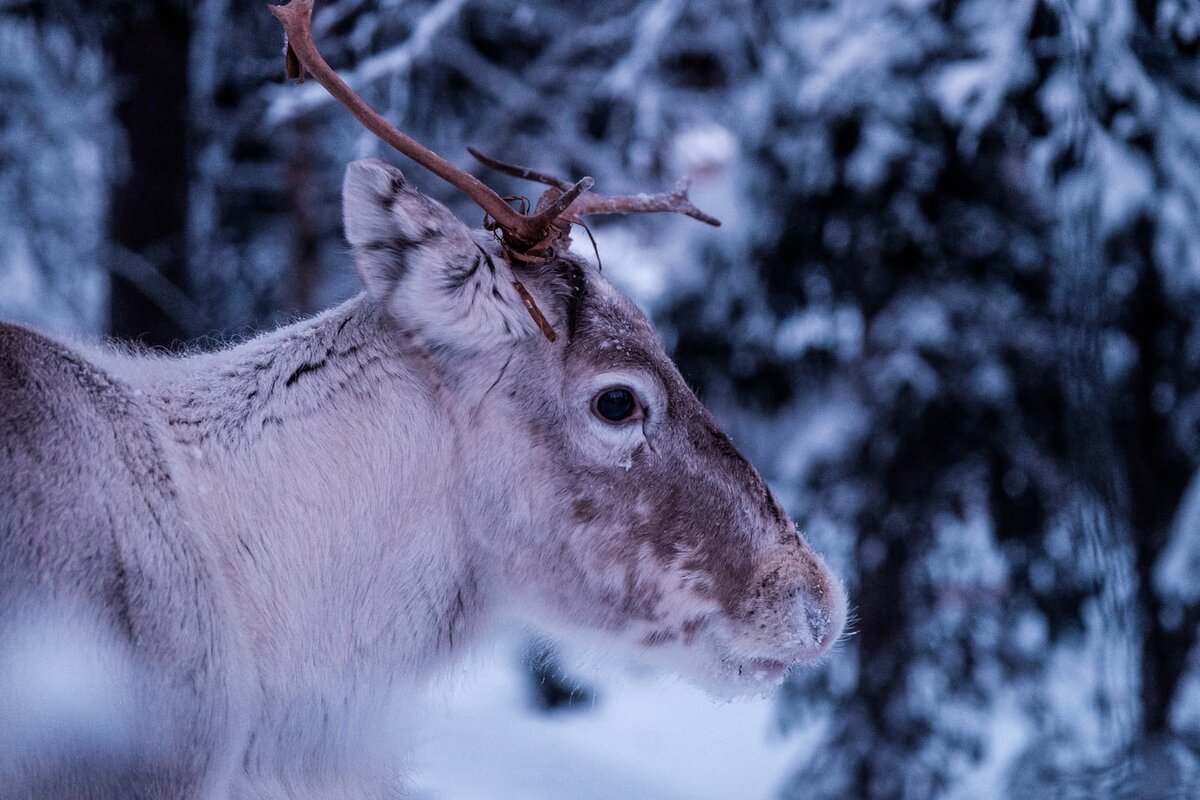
673	538
631	528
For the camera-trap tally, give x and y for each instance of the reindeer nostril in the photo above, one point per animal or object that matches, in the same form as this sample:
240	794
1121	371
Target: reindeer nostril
816	618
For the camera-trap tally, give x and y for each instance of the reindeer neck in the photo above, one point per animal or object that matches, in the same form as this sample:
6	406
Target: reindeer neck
322	459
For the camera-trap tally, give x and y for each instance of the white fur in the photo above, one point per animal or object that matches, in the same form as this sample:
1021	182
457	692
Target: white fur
284	538
473	318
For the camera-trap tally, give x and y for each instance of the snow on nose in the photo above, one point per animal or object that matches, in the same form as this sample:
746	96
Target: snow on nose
817	616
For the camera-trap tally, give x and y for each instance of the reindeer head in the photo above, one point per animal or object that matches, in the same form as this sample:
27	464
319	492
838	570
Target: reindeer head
603	494
606	496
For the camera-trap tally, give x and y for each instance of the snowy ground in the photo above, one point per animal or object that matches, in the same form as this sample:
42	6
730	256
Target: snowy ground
646	738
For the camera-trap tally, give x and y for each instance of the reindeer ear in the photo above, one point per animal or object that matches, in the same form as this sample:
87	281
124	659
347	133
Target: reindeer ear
424	265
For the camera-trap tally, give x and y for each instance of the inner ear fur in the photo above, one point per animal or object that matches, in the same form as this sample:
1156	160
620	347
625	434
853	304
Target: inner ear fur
429	270
386	219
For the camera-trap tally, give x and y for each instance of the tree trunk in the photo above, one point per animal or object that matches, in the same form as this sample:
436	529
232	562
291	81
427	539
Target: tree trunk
149	209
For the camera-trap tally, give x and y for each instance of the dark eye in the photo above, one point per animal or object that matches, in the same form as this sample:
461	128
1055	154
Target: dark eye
615	405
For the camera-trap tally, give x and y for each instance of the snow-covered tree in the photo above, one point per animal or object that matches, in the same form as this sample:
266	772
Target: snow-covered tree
969	298
55	126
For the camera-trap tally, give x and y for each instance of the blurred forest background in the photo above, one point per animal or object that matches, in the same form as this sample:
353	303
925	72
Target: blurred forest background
953	314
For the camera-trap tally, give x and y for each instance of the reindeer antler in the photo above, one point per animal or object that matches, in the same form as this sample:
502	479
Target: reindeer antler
521	230
591	204
531	235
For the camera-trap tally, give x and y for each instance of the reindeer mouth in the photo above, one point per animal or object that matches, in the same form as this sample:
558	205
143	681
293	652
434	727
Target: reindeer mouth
760	672
759	669
753	672
714	652
768	668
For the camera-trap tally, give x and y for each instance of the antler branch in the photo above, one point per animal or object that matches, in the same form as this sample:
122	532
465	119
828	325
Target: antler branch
521	230
676	201
524	173
593	204
530	237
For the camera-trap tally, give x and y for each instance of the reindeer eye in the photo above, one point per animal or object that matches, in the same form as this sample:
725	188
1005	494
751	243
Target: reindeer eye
615	405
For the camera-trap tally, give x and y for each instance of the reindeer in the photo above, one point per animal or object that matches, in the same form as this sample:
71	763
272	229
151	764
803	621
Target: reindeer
251	558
